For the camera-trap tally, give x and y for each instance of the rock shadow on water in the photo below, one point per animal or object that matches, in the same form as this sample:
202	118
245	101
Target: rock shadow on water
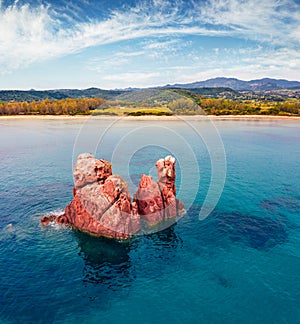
261	233
156	254
106	261
166	237
112	266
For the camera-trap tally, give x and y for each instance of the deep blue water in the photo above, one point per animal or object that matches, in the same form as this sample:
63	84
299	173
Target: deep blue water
239	265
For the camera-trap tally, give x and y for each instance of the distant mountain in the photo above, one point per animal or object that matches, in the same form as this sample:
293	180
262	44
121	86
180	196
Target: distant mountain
273	84
31	95
209	92
149	96
34	95
217	87
90	93
239	85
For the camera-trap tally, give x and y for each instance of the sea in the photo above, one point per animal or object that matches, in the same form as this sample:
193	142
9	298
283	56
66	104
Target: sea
234	257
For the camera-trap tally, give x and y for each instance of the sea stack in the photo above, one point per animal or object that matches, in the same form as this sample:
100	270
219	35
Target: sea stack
157	201
102	204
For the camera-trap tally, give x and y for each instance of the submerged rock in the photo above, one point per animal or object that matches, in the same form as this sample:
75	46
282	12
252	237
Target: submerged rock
257	232
102	205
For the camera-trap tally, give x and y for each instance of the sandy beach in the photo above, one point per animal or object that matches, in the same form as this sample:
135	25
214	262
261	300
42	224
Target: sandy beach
149	117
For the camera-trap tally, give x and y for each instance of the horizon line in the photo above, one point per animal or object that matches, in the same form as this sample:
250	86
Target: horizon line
143	88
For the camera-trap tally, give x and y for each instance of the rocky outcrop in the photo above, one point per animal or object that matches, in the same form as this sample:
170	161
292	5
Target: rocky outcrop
157	201
102	205
149	201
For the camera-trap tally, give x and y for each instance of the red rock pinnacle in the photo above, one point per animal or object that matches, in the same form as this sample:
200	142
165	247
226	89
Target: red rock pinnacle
102	205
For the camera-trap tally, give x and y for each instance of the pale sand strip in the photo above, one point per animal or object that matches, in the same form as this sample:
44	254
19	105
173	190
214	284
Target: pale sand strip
149	117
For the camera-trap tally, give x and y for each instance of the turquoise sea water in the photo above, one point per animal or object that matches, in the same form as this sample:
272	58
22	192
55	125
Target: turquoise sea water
239	265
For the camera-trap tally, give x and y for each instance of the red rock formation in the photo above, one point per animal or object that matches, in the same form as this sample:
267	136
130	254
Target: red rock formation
102	204
157	201
149	201
90	170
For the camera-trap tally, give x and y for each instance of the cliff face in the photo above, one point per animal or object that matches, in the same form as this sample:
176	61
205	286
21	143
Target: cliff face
102	205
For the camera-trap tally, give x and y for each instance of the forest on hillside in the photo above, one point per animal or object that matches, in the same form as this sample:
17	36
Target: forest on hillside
177	102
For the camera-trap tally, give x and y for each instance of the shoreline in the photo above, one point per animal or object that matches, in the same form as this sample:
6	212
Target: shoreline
150	117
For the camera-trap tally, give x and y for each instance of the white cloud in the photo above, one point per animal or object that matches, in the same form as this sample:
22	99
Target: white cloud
134	79
269	20
34	34
251	63
25	35
161	45
31	35
114	60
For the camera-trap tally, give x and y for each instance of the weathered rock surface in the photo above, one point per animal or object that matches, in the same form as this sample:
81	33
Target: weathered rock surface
102	205
149	201
157	201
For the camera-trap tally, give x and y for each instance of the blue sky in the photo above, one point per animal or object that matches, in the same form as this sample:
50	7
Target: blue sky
118	44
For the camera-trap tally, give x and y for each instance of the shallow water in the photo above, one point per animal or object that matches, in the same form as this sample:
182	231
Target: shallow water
240	264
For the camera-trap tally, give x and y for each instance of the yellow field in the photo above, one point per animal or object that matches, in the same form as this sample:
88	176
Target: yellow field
132	111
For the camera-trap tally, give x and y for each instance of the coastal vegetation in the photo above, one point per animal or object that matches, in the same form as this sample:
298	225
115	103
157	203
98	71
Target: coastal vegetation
67	106
213	106
161	102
